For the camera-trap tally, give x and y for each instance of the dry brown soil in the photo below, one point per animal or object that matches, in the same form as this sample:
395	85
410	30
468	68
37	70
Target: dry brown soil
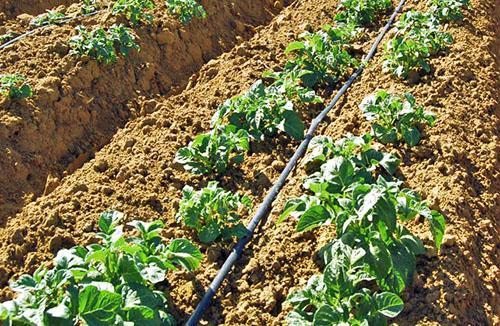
79	104
455	168
12	8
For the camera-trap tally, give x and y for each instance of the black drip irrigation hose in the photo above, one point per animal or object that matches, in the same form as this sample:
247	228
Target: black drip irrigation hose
33	31
265	207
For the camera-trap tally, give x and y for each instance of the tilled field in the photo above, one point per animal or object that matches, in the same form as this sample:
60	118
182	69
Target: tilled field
80	104
455	167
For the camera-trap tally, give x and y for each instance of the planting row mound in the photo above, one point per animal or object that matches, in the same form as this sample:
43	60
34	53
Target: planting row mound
12	8
78	104
455	167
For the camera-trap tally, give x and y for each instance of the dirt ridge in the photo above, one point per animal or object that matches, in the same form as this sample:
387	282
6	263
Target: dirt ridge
79	104
456	168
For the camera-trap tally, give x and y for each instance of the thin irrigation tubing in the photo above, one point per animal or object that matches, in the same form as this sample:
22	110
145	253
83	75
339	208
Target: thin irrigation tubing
266	205
33	31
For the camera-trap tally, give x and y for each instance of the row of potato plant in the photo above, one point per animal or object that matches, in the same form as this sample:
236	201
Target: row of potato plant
320	59
100	43
419	36
351	185
114	282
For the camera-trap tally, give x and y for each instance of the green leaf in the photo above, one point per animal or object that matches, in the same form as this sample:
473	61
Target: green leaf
293	125
98	307
66	259
153	273
4	312
209	233
326	316
389	304
60	311
109	220
411	136
438	226
294	46
23	284
384	135
184	253
312	218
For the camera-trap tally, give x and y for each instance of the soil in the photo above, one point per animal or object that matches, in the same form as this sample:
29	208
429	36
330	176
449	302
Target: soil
455	167
11	8
79	104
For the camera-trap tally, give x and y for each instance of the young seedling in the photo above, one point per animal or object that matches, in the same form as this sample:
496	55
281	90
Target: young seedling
6	37
51	17
89	6
262	111
362	12
448	10
373	258
101	44
213	212
134	10
107	283
213	152
341	295
322	58
418	37
186	10
14	86
395	118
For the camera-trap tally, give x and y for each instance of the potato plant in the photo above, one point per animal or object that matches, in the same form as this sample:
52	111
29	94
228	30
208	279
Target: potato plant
102	44
186	10
107	283
14	86
448	10
213	212
6	37
89	6
419	36
136	11
51	17
262	111
354	189
395	118
215	151
322	58
352	180
362	12
341	295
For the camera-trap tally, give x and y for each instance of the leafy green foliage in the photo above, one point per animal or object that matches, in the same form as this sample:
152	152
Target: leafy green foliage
134	10
214	151
101	44
186	10
418	37
259	113
262	111
15	86
348	187
51	17
89	6
322	58
340	296
395	117
213	212
103	284
6	37
448	10
373	258
362	12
